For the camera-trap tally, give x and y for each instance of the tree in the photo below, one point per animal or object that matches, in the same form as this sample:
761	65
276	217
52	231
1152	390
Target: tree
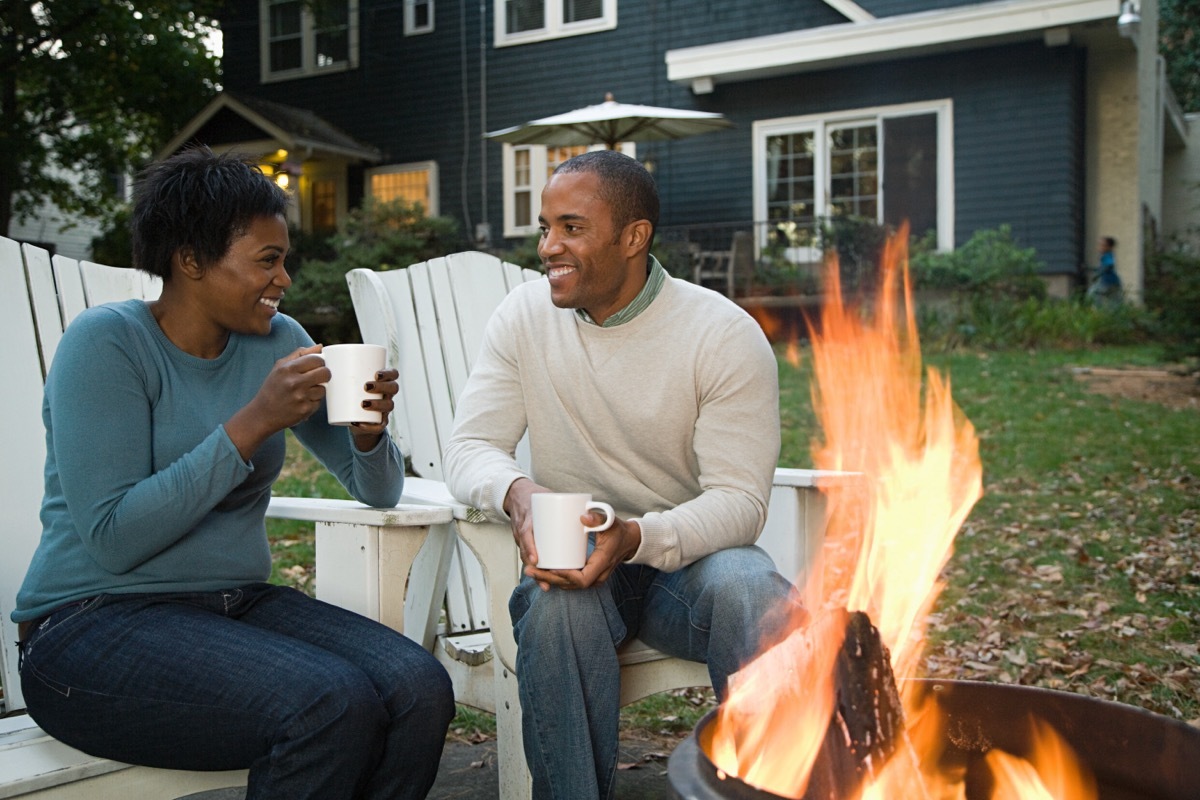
89	89
1179	42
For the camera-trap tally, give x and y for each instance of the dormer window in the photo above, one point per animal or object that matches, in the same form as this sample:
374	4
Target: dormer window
301	39
523	21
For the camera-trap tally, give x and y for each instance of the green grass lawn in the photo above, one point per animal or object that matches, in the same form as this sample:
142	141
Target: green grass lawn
1079	569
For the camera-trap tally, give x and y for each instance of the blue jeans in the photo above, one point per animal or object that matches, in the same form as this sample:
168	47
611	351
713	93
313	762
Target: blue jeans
716	610
316	701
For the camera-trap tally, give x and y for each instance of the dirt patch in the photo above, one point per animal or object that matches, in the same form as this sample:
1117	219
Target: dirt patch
1168	387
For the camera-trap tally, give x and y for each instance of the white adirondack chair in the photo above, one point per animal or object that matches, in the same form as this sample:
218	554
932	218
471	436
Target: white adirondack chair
39	296
431	317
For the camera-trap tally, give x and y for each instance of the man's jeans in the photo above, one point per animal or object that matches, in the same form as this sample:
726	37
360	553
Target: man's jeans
316	701
715	610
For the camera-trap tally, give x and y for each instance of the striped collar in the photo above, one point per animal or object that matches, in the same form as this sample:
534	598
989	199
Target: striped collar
654	284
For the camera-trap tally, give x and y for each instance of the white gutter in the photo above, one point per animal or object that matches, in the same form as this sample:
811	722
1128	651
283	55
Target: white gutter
876	39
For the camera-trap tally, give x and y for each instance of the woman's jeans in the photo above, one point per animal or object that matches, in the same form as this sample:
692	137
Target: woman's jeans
316	701
717	610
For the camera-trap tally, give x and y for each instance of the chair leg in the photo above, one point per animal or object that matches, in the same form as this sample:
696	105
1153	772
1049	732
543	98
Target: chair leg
515	780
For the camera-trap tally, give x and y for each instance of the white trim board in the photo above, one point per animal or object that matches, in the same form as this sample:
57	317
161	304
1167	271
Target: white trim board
877	39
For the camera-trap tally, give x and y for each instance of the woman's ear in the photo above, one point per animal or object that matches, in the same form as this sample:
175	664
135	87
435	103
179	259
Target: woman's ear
184	262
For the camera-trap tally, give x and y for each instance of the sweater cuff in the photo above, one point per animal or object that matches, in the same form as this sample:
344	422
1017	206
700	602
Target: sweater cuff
655	545
494	494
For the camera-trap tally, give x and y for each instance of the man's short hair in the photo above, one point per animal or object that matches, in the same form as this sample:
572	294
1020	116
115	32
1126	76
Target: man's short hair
625	185
200	200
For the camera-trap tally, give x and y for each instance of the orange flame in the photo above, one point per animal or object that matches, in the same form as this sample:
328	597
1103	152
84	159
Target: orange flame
889	532
1053	771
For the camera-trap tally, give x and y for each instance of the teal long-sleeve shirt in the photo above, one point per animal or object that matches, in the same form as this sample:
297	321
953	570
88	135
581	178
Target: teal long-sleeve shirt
144	490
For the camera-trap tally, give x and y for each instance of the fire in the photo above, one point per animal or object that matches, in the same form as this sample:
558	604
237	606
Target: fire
889	533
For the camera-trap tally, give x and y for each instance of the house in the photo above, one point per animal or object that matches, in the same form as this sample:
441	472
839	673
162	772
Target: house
1051	116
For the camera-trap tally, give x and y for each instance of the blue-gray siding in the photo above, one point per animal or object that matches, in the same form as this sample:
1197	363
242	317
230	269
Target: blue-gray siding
1018	109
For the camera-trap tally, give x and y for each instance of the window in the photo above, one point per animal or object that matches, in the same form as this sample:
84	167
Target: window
526	170
324	206
522	21
887	164
418	17
413	183
301	39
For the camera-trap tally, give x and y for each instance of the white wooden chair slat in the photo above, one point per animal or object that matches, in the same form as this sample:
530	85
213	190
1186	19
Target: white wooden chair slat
24	452
44	299
105	284
69	281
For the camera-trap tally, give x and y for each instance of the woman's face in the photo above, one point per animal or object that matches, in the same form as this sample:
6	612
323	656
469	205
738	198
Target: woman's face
241	291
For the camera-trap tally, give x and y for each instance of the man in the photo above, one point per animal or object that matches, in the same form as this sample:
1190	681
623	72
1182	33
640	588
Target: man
651	394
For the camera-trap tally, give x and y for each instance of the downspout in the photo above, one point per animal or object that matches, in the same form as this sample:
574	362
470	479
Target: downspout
485	229
464	83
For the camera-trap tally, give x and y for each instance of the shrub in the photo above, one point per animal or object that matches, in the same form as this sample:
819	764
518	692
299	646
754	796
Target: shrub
1172	293
990	263
858	243
998	301
378	236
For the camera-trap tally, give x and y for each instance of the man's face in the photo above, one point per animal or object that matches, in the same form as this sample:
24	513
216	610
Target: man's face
584	254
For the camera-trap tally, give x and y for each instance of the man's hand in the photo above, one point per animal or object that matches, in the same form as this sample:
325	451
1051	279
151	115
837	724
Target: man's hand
613	546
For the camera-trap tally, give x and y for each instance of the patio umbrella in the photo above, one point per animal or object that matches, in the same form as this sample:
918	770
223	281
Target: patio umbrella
610	123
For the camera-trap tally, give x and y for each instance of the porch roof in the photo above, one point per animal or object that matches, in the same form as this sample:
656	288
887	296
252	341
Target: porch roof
229	118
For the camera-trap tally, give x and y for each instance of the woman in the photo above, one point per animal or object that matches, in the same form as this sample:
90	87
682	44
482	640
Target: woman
148	632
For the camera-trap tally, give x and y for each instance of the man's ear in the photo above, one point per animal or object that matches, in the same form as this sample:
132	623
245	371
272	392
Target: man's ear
637	235
184	262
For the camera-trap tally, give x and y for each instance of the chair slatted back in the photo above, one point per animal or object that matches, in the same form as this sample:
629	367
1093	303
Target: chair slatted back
30	326
431	317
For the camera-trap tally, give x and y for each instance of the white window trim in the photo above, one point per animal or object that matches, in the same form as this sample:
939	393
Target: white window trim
554	27
308	65
413	166
410	25
820	123
537	181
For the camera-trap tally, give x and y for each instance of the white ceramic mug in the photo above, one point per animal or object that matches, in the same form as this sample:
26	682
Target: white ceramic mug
351	366
559	536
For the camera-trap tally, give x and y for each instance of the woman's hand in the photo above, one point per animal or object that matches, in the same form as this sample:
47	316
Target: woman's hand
366	434
292	391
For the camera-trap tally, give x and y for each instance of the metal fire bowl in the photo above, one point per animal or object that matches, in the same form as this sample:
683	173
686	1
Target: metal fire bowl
1134	754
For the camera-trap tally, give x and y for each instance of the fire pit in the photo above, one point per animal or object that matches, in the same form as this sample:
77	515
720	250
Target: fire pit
832	709
1134	754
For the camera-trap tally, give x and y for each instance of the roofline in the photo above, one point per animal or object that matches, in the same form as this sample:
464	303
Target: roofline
875	39
289	141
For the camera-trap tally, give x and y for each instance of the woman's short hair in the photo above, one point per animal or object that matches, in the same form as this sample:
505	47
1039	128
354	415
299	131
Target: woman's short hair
198	200
625	185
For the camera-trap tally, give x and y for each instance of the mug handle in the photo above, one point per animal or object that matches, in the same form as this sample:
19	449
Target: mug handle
609	515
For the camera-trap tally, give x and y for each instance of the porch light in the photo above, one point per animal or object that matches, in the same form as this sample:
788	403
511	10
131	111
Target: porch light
284	172
1130	20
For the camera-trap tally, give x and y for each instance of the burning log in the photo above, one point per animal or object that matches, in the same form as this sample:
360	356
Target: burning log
868	720
840	690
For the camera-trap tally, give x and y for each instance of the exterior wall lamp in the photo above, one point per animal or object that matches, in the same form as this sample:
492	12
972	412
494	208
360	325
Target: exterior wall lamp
1130	19
279	168
285	172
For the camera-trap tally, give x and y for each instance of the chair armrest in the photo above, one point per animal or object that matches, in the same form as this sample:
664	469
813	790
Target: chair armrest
321	509
426	491
809	478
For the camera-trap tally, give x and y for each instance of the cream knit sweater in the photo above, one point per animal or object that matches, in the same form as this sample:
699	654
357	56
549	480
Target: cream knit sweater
672	417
